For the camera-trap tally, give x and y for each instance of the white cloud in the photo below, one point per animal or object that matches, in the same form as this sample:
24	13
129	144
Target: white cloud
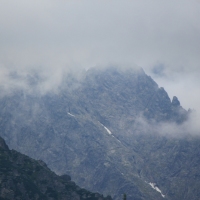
52	36
167	128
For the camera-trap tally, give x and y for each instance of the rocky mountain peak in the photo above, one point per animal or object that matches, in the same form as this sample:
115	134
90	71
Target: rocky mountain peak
105	131
3	145
175	102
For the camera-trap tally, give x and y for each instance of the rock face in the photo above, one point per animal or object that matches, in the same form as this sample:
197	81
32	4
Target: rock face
22	178
105	130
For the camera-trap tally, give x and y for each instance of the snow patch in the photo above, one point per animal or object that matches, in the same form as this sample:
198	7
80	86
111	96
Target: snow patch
153	185
109	132
70	114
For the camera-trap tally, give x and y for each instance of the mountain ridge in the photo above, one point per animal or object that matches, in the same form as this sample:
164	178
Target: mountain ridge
24	178
104	130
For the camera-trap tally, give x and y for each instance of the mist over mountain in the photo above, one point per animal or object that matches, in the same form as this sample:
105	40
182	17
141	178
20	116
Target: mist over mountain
113	130
53	36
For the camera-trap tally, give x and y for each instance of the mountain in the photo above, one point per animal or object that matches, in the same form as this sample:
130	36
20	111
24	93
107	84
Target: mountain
112	130
24	178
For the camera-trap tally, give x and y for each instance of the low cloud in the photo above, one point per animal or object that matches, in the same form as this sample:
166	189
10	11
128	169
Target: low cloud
189	127
53	37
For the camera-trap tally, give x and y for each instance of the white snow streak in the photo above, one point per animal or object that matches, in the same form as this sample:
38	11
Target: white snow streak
153	185
70	114
109	132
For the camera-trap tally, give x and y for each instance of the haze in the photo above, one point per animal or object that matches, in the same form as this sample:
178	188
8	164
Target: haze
162	37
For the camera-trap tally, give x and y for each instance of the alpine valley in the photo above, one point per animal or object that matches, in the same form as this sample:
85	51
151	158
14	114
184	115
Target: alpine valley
113	130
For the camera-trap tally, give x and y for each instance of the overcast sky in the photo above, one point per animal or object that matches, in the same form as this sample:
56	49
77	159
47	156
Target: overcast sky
161	36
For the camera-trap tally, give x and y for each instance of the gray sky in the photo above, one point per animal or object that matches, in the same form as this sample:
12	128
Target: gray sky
161	36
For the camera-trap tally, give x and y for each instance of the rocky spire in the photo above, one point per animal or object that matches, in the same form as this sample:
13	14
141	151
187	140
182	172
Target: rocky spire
3	145
175	102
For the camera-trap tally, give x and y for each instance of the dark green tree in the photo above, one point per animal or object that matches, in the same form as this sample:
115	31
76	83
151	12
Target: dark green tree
124	197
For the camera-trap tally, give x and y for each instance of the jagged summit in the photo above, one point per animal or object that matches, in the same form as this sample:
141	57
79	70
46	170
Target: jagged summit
3	145
132	89
175	102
